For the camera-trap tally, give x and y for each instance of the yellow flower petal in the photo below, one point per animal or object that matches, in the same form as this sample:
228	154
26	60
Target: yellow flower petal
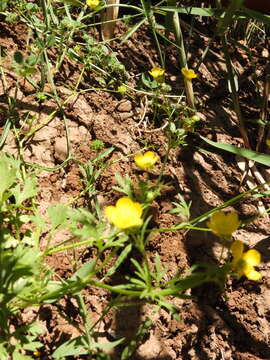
237	249
243	262
188	74
252	257
147	160
157	72
253	275
216	222
126	206
233	221
125	214
111	213
223	224
92	3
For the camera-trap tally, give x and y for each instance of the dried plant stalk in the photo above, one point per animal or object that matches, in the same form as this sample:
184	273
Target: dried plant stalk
109	17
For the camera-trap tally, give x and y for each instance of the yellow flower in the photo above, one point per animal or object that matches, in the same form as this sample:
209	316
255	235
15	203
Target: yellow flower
243	262
125	214
188	74
147	160
92	3
157	73
223	224
267	142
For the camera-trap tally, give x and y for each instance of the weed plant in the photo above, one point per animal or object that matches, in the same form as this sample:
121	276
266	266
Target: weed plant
66	31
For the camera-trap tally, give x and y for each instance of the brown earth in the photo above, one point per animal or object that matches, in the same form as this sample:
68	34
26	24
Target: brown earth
233	325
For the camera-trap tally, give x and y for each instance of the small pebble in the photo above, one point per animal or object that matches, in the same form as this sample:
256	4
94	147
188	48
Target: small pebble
60	149
125	115
125	106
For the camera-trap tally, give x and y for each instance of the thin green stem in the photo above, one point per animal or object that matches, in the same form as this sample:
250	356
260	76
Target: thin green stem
115	289
43	5
146	4
235	99
87	324
179	40
164	163
80	243
186	225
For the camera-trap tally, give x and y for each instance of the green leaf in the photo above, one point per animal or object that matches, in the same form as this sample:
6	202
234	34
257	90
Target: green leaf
257	16
108	344
72	347
262	194
8	175
246	153
35	329
160	271
129	33
5	132
3	5
88	228
29	190
78	345
103	154
84	271
3	353
58	215
28	71
192	10
27	257
18	356
243	13
125	184
51	40
34	345
18	57
151	84
32	60
119	260
39	221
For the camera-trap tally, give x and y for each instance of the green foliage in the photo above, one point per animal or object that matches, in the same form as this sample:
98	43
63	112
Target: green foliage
181	208
80	346
246	153
189	123
25	66
20	280
96	56
125	185
97	144
176	136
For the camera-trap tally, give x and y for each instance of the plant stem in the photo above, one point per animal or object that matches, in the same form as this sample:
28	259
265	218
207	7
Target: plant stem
146	4
86	320
235	99
183	59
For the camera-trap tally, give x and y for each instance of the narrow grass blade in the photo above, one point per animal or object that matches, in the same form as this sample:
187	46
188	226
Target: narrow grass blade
5	133
191	10
246	153
119	261
132	30
257	16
